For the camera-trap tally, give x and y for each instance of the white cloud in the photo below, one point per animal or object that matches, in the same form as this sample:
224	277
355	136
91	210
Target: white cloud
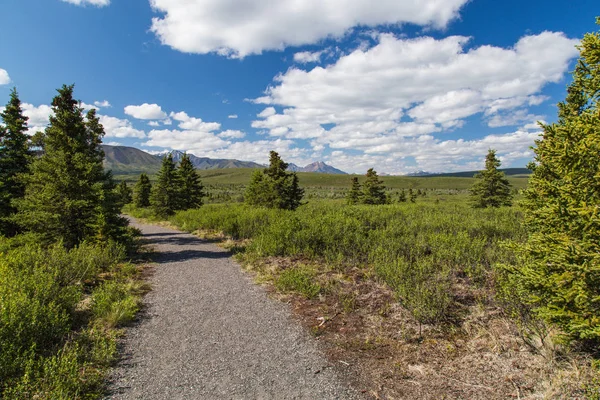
88	107
154	123
120	128
232	134
232	116
97	3
146	111
102	104
190	123
435	155
39	117
305	57
113	144
258	151
237	29
373	97
196	142
4	78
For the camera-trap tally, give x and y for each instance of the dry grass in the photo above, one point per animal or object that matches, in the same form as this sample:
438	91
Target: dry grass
365	331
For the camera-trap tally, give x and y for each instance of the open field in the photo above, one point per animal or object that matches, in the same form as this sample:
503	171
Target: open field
228	185
405	295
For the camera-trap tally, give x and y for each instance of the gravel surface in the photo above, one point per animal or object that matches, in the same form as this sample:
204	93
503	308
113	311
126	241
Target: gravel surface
208	332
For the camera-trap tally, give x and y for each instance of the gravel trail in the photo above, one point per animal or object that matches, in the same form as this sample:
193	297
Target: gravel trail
208	332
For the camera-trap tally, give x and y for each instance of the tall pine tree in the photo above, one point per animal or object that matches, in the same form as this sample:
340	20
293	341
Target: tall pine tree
68	195
141	192
165	192
275	187
559	266
373	189
491	189
354	196
15	157
192	190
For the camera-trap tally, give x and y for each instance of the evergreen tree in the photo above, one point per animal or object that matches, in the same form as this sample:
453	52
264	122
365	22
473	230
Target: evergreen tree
373	189
412	195
491	189
192	190
125	193
165	192
274	187
559	266
142	190
14	161
402	196
69	197
355	194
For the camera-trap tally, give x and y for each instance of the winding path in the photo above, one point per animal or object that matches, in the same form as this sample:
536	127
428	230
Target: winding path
208	332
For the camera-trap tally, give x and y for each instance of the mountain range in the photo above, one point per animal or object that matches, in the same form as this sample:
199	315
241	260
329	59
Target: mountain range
319	167
129	160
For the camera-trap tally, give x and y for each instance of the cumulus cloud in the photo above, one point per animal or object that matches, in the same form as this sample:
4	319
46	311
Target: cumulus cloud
120	128
373	97
102	104
237	29
4	78
434	155
232	134
306	57
146	111
39	116
97	3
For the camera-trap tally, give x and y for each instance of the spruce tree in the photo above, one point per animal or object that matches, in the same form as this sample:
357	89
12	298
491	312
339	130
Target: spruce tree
412	195
354	196
192	190
69	197
274	187
141	193
15	157
125	193
402	196
559	266
165	192
491	189
373	189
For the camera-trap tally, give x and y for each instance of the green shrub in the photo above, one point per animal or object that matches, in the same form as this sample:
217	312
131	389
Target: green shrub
298	279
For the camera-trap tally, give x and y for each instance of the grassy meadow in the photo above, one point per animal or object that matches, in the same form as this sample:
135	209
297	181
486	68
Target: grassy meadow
410	295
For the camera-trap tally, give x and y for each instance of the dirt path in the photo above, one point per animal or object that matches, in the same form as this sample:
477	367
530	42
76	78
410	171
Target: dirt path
208	332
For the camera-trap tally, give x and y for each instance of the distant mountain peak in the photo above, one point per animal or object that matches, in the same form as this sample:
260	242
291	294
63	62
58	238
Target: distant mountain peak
318	167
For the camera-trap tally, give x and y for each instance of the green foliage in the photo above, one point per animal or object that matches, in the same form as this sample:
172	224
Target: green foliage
298	279
402	196
559	265
142	190
417	249
274	187
124	193
69	197
15	157
373	189
492	189
41	291
191	190
354	196
113	304
165	192
412	196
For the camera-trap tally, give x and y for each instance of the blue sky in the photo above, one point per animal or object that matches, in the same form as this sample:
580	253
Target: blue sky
399	85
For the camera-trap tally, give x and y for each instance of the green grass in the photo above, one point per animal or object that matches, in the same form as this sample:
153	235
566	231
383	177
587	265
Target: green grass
420	250
58	312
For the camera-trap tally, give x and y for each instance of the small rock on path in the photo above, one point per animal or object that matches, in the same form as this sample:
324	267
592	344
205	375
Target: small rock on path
208	332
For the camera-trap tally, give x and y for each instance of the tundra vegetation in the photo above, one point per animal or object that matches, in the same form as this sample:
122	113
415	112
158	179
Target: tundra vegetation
65	283
436	288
